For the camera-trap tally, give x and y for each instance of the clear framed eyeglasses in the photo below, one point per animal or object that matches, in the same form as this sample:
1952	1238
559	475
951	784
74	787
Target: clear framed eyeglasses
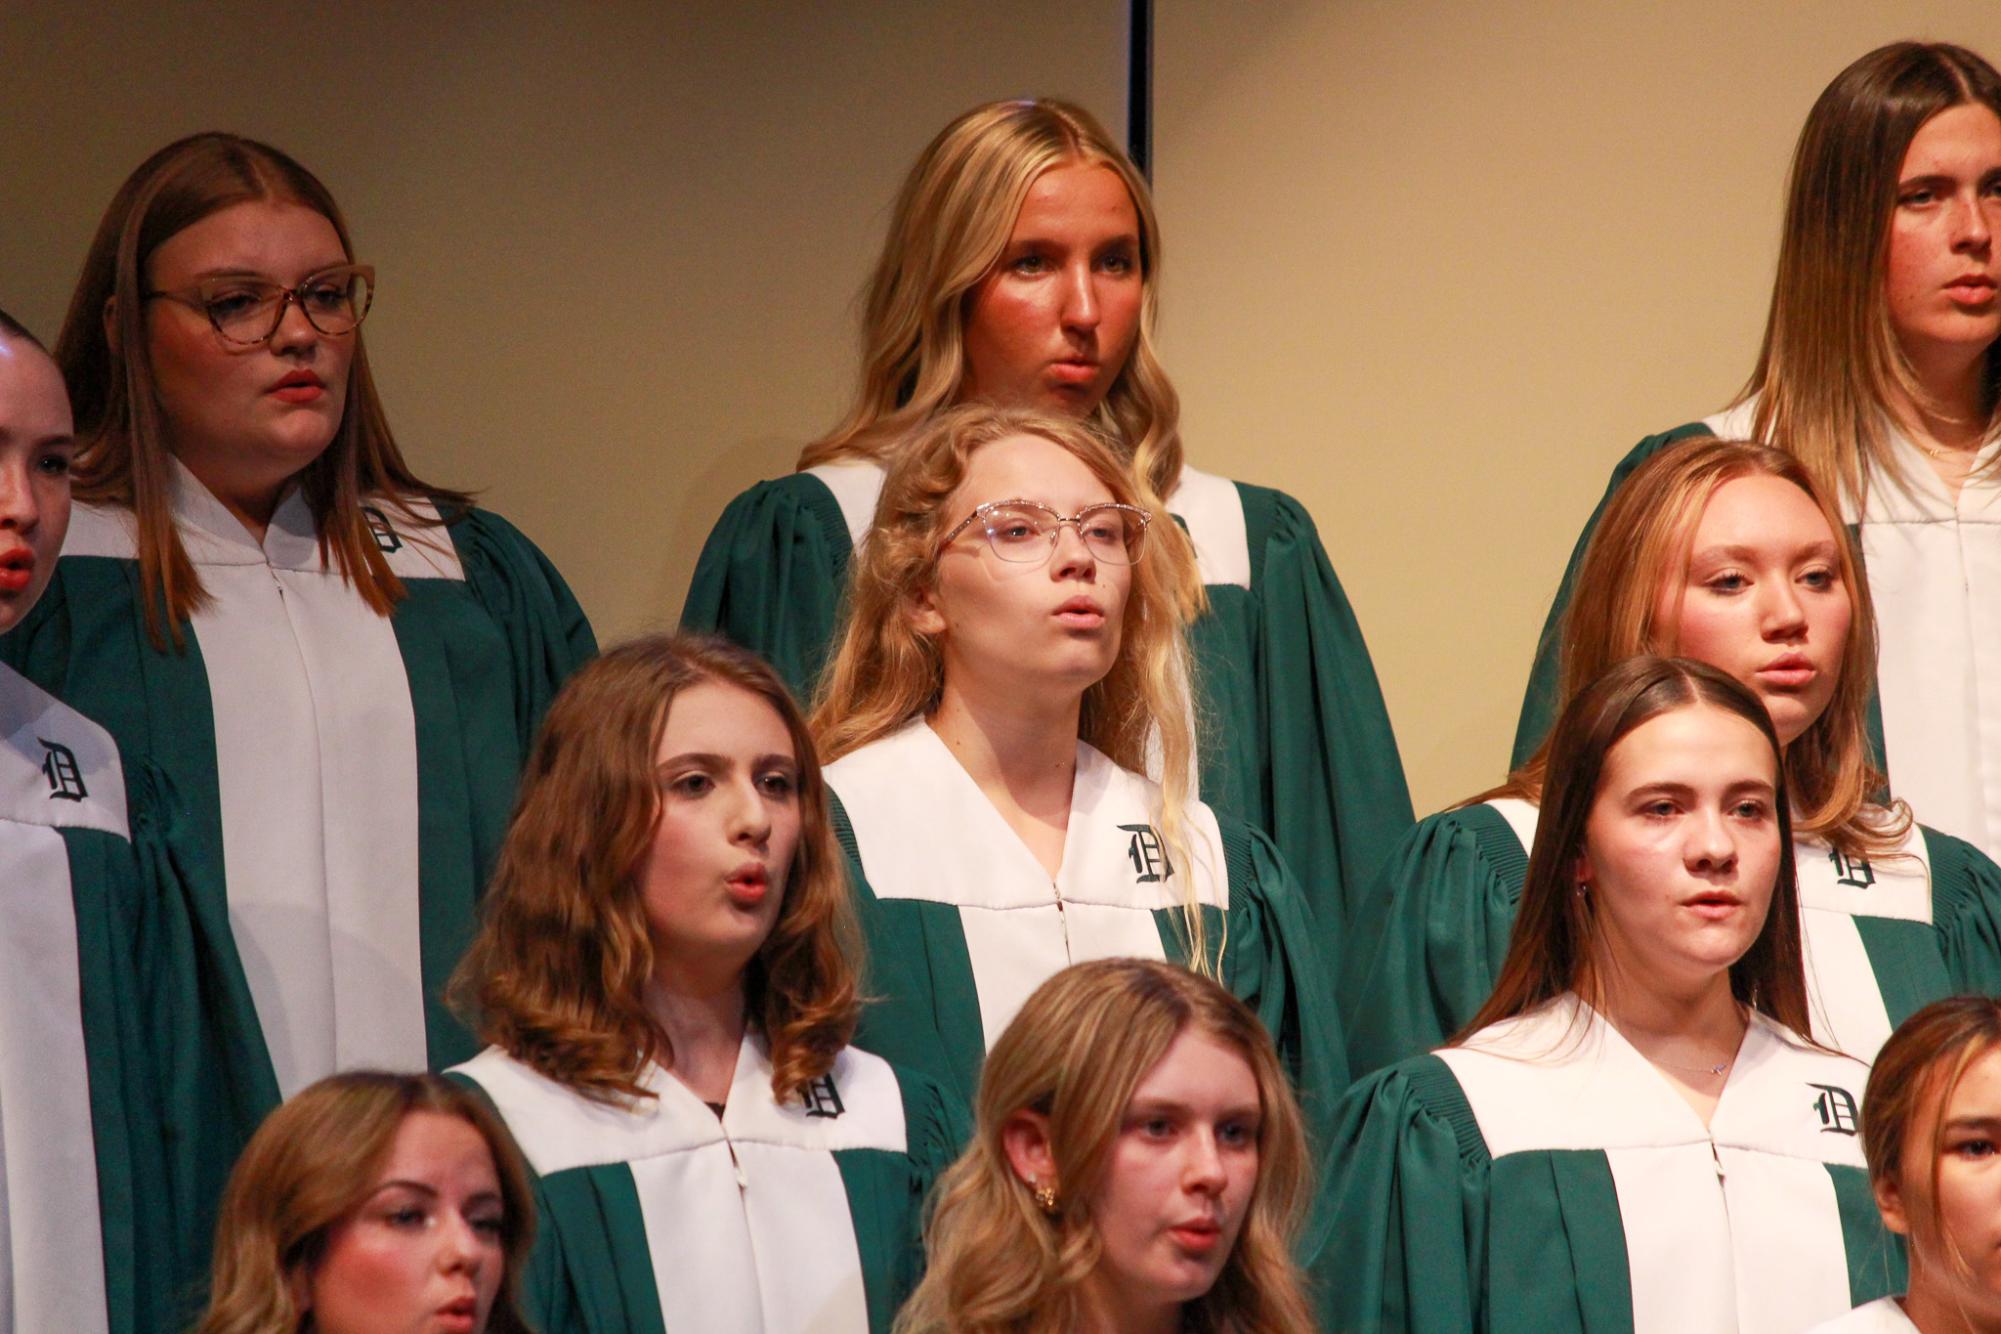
1024	532
247	311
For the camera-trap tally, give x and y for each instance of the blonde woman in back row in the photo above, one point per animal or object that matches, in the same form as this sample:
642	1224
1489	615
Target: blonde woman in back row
1022	269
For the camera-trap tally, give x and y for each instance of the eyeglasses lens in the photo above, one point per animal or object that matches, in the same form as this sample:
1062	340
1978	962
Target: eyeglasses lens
251	312
1025	533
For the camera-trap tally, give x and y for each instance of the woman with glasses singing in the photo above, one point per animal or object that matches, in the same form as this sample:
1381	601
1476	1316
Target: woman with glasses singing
339	665
1012	653
1020	270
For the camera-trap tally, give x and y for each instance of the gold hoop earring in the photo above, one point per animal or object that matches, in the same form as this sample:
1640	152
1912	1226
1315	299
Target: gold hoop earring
1045	1196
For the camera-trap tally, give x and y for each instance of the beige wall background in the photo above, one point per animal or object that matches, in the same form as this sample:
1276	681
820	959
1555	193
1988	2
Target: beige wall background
619	244
1432	266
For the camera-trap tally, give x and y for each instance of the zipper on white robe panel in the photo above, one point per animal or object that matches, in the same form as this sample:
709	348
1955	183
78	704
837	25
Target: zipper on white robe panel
1063	920
736	1165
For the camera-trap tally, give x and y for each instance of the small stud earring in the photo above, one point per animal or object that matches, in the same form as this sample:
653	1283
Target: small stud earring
1045	1196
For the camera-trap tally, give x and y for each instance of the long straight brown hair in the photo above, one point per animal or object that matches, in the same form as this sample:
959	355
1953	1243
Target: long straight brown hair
125	460
557	974
1830	367
1549	951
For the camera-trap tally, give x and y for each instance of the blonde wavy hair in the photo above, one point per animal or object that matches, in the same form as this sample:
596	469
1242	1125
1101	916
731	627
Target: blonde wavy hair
1645	539
311	1165
1830	366
1075	1053
107	363
556	977
884	672
950	223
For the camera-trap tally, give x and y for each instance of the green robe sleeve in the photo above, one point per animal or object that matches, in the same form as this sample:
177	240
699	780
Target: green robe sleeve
150	1270
548	636
1966	910
888	1193
1407	1185
773	574
1315	763
1450	892
210	1078
1539	701
1272	961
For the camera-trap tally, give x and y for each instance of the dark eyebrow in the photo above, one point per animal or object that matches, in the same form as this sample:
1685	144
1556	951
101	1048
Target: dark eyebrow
1141	1106
1682	790
44	442
432	1192
226	271
699	759
1032	240
1987	1123
417	1186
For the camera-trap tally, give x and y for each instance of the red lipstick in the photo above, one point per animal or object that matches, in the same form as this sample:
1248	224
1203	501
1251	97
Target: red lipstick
301	386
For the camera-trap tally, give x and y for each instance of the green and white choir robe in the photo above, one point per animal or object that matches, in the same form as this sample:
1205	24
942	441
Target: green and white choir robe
953	894
1934	566
1546	1178
1882	1316
1295	737
115	1132
1881	937
661	1218
349	775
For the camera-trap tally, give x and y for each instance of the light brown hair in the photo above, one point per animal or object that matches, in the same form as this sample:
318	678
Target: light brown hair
556	977
947	230
1830	366
312	1164
884	672
125	460
1641	544
1549	950
1910	1087
1075	1053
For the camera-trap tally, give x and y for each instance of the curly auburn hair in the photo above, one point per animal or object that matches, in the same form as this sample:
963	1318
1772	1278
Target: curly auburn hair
557	974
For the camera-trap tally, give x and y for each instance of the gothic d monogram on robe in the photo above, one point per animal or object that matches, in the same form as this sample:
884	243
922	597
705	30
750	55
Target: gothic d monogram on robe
1147	853
59	766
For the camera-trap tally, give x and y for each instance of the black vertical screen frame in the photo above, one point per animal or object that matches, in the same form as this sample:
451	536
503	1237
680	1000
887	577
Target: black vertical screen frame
1139	86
